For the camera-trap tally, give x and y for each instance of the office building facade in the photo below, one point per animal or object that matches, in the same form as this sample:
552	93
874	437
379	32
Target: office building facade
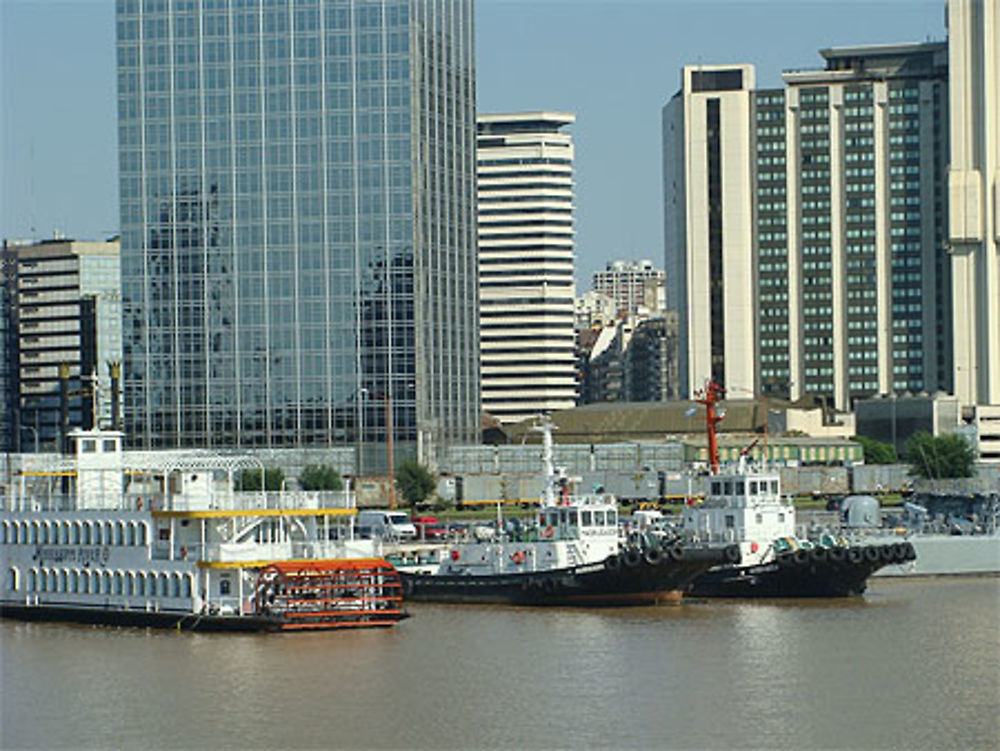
527	293
866	147
64	322
298	222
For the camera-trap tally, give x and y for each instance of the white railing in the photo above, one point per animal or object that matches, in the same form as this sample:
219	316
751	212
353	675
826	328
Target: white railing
235	501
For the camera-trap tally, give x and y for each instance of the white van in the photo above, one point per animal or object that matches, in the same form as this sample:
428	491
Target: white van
389	525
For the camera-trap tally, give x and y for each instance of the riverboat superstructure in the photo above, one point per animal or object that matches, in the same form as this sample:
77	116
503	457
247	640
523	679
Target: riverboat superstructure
572	554
162	539
745	507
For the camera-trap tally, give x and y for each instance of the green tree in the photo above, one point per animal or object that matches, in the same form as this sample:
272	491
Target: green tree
249	479
415	481
320	477
940	457
876	452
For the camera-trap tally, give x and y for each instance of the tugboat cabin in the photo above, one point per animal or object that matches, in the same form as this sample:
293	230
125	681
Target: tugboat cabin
745	508
583	518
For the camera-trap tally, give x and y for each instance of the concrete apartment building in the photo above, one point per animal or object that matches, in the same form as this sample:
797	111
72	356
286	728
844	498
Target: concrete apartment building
632	285
298	224
708	215
526	287
64	321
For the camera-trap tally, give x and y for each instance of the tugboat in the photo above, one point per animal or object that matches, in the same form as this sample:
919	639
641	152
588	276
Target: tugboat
746	508
575	557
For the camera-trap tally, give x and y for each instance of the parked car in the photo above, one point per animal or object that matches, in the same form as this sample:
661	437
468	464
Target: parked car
429	528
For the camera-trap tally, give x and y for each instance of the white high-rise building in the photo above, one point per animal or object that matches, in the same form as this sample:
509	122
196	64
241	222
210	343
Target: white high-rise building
525	182
708	195
974	196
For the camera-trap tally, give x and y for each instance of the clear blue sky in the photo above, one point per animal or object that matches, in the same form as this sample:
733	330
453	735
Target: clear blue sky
612	62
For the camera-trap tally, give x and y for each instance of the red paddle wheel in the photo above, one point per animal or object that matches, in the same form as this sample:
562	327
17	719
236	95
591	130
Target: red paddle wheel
327	594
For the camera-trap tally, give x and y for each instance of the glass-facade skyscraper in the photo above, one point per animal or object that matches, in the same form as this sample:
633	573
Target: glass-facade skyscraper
298	221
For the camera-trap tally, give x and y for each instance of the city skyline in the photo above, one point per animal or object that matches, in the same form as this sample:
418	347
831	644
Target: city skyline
59	160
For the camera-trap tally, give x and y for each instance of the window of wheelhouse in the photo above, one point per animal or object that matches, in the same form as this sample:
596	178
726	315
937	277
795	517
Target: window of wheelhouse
586	519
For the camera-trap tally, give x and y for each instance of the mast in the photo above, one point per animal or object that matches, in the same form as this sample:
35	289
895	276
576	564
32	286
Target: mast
709	397
548	494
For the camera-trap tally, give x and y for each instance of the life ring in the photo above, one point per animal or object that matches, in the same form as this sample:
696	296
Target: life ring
138	503
548	532
518	556
455	555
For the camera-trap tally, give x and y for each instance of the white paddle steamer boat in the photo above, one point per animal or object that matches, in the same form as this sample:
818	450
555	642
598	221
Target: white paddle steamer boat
162	539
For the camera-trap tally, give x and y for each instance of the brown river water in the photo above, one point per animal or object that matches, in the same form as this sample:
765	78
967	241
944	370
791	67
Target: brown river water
913	664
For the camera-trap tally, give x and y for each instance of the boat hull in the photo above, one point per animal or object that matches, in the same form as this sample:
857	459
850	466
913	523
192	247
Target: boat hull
651	580
843	573
171	620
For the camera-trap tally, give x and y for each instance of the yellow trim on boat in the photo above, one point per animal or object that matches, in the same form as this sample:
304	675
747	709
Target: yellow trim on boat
222	513
65	473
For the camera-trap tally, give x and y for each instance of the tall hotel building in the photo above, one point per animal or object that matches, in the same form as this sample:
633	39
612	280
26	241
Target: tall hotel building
526	288
708	213
846	246
298	222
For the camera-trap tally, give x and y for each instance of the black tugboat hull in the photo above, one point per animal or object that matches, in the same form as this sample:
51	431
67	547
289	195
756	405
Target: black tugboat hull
653	579
845	574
